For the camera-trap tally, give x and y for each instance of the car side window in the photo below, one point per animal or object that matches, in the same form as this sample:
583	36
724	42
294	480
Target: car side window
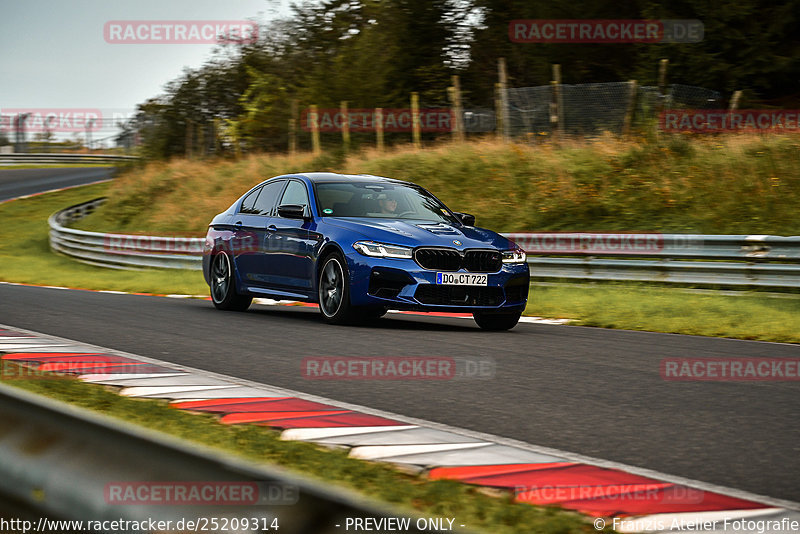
266	200
295	194
249	202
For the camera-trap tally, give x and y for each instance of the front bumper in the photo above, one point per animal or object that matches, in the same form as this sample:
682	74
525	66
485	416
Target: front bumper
403	285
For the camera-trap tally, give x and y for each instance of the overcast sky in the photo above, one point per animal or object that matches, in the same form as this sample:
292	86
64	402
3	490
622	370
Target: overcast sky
54	54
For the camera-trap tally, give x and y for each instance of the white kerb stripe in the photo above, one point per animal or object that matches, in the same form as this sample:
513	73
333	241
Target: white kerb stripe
373	452
310	434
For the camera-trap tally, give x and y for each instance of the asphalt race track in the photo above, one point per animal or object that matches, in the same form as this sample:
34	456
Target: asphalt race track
585	390
592	391
19	182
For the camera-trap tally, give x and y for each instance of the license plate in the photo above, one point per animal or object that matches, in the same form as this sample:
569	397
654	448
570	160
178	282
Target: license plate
462	279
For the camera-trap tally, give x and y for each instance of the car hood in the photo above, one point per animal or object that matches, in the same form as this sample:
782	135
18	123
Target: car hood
414	233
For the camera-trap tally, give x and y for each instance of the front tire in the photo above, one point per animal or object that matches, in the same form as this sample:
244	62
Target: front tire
497	321
223	286
334	291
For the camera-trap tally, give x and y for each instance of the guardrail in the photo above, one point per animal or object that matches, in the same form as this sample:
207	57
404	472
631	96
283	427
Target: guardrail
66	463
722	260
59	159
119	250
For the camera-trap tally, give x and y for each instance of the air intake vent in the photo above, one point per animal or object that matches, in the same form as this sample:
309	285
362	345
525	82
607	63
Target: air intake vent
439	229
459	296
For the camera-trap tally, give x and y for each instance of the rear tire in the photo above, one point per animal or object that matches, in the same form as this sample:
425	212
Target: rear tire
223	285
497	321
334	291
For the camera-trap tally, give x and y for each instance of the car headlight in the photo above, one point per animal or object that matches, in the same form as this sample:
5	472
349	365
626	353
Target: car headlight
516	255
381	250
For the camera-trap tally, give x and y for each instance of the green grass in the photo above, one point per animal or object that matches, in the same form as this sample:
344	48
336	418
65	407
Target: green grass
467	504
25	254
751	315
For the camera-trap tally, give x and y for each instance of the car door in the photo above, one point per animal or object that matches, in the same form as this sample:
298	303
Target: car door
292	243
251	243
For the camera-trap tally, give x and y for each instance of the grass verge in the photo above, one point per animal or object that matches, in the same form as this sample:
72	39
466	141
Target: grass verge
738	184
262	444
25	257
25	254
631	306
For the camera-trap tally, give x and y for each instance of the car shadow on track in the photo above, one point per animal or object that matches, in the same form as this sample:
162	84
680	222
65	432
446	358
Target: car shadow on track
391	321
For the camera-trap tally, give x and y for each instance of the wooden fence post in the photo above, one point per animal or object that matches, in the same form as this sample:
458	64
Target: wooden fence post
293	127
189	138
662	81
314	116
457	111
558	99
503	124
737	95
379	128
345	125
415	128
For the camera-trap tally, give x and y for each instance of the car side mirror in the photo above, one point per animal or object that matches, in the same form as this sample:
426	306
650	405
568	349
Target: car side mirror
292	211
466	218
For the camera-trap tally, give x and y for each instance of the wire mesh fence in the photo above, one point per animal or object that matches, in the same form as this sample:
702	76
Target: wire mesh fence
592	108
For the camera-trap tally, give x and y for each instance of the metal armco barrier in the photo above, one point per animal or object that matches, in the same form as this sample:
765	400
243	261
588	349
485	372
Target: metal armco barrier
57	159
67	463
725	260
119	250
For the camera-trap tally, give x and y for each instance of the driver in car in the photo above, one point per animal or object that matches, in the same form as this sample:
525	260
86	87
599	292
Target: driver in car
388	205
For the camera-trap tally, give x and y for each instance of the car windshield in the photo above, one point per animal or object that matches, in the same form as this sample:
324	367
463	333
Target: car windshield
380	200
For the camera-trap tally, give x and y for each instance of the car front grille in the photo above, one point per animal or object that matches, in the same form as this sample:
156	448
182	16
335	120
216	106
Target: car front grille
482	261
438	259
459	295
449	259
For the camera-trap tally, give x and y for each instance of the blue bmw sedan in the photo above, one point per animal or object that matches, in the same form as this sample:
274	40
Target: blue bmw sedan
360	245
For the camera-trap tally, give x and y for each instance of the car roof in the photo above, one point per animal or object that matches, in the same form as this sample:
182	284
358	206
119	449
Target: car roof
317	177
